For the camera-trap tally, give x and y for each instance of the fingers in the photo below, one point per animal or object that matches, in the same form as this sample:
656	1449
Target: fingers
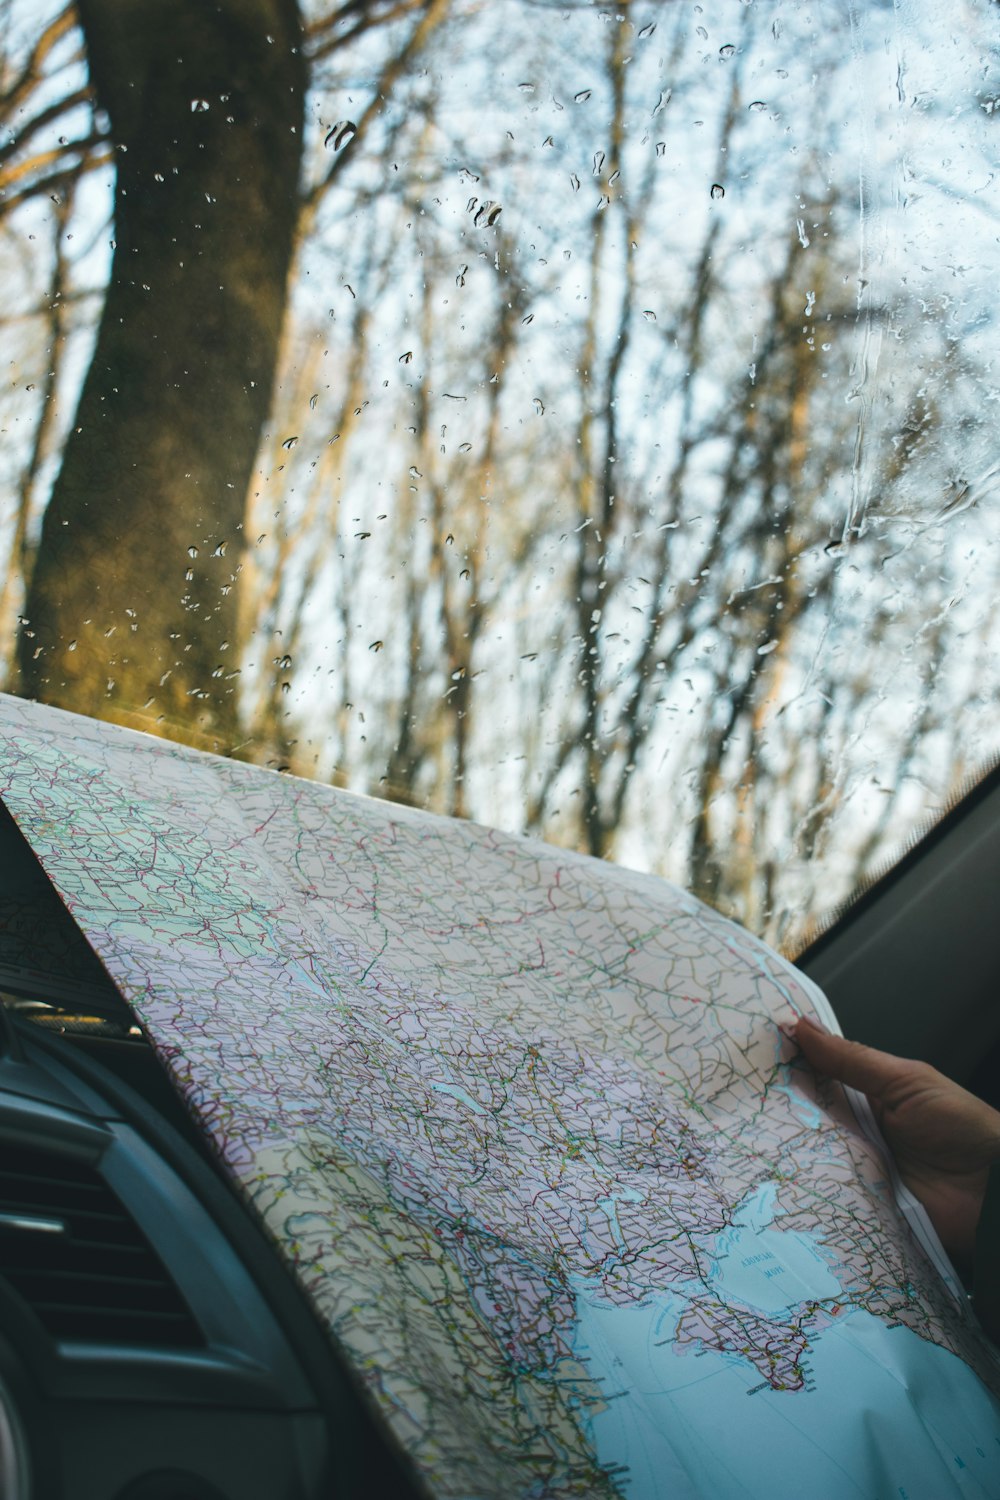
858	1066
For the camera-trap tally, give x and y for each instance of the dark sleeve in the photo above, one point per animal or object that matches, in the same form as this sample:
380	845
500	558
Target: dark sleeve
986	1276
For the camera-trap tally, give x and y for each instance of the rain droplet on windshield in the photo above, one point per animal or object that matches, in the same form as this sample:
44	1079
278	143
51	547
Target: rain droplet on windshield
757	105
376	645
487	213
340	134
192	552
718	191
727	51
290	442
582	96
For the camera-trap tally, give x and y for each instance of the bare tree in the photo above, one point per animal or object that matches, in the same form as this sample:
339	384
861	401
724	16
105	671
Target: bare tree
205	108
608	461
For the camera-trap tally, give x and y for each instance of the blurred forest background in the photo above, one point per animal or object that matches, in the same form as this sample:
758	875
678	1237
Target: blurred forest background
577	418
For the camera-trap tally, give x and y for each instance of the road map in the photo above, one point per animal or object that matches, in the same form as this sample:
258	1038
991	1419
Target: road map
577	1213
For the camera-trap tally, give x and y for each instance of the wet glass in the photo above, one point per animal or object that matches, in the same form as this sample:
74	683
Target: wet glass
628	472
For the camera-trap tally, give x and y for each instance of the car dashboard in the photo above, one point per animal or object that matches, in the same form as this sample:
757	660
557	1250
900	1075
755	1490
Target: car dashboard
154	1347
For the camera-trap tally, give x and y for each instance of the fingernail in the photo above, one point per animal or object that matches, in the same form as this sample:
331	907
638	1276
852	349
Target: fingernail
816	1025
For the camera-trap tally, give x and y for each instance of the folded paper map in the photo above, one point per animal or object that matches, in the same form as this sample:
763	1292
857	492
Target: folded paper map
525	1127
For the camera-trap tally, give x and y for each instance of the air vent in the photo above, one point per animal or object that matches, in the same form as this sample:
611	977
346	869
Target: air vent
71	1250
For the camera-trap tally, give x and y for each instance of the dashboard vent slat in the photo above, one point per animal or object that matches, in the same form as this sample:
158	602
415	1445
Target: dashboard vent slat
100	1281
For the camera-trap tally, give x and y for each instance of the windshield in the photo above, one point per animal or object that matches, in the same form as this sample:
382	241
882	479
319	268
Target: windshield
576	419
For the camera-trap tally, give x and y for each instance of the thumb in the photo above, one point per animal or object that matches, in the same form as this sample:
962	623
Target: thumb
860	1067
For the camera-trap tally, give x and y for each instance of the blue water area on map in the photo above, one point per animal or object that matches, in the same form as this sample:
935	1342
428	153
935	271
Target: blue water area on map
461	1094
609	1206
886	1415
765	1268
804	1109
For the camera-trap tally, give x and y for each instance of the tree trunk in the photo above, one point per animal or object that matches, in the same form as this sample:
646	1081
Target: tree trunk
131	608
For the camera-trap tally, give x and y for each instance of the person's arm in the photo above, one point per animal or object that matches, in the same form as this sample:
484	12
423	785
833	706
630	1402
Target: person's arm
946	1143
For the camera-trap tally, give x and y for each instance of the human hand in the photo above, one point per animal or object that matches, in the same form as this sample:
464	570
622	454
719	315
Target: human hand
943	1138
